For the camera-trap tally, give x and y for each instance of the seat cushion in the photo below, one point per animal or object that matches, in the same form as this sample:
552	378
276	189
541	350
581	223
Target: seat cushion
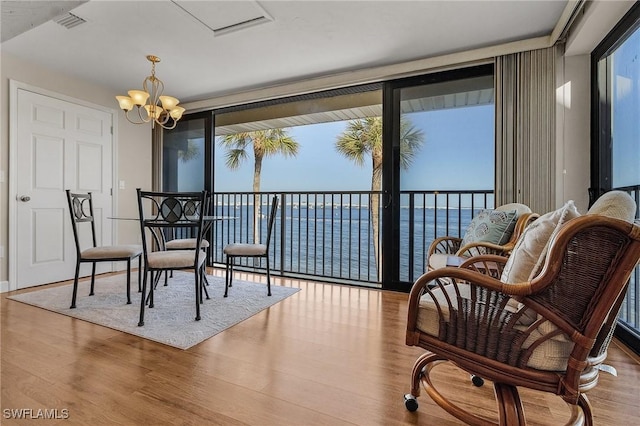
490	226
552	354
174	259
239	249
112	252
440	260
185	244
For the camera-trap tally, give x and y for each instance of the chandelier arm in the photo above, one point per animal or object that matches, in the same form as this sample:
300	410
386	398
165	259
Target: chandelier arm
126	115
173	126
142	119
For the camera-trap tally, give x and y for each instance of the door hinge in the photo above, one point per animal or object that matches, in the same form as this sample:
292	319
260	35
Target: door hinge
112	130
111	192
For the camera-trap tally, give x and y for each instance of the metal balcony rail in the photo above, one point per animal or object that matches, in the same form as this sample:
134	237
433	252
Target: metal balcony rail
329	235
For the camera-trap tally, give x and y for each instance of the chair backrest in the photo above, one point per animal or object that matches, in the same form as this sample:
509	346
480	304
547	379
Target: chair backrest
81	211
518	207
160	211
272	219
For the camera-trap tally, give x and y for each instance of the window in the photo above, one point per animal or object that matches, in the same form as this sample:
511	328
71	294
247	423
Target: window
615	140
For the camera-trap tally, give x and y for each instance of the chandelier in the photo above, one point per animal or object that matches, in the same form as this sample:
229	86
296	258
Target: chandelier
150	104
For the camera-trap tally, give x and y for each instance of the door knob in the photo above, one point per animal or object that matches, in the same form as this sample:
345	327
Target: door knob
25	198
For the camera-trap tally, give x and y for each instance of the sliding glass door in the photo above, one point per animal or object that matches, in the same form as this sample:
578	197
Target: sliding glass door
440	162
616	137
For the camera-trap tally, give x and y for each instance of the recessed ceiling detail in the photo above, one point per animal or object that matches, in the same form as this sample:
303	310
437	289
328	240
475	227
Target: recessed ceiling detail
225	17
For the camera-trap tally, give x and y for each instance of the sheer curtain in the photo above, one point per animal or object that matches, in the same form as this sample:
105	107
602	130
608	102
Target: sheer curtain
525	128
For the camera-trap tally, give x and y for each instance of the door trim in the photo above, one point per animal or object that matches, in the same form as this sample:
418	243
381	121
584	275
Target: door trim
14	86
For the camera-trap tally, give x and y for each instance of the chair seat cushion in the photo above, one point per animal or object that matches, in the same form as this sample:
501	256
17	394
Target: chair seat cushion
550	355
441	260
112	252
428	313
174	259
239	249
185	244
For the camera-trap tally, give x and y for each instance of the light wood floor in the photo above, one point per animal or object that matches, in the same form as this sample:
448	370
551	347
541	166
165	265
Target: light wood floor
329	355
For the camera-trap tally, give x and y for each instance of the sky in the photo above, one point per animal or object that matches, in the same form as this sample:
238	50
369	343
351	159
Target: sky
626	113
457	153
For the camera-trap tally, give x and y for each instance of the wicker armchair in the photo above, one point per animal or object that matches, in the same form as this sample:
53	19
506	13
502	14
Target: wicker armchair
441	249
484	325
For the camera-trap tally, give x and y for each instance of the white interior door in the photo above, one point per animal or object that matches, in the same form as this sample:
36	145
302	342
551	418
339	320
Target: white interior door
59	145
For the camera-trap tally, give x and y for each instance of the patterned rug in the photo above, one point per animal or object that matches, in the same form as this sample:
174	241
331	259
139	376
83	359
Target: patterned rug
172	319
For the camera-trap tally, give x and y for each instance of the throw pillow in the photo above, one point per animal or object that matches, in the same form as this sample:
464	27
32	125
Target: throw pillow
616	204
490	226
530	246
530	251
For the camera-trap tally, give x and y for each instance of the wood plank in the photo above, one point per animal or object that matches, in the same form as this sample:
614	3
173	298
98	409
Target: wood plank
329	355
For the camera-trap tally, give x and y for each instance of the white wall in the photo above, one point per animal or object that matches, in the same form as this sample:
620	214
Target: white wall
574	144
132	144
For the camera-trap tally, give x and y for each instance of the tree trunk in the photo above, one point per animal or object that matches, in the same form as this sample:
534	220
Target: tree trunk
374	209
257	170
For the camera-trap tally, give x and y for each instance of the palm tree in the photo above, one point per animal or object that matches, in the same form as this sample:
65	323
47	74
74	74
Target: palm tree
362	138
264	144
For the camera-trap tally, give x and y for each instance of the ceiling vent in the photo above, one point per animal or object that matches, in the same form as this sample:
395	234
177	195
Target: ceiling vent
69	20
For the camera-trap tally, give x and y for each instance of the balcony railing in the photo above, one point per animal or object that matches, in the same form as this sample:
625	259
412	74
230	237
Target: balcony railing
630	310
330	235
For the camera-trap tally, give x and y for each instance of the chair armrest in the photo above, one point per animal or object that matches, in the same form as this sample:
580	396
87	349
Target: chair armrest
489	264
481	248
444	245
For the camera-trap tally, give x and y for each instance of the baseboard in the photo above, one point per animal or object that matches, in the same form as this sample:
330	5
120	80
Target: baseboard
4	286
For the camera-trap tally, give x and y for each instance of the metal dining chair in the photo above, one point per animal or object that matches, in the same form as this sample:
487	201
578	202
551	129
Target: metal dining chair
160	211
235	250
81	211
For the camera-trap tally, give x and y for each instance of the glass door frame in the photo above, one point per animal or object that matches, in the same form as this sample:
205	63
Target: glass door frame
391	164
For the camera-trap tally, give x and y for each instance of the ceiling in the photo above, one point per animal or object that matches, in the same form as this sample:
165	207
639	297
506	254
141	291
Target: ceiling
215	48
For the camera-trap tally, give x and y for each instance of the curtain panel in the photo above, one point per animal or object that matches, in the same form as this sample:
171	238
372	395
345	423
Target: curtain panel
525	128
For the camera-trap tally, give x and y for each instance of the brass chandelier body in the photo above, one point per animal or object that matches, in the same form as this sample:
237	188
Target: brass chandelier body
158	108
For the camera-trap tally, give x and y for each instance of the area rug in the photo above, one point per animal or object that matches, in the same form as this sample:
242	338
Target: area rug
172	319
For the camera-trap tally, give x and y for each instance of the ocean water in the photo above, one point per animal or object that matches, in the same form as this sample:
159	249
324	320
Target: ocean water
336	241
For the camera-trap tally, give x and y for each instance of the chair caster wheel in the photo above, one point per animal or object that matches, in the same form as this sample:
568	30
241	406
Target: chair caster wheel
410	402
477	380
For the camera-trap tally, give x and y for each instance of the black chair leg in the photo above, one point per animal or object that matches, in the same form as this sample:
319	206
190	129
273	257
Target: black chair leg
152	287
129	282
198	290
268	278
75	286
143	299
203	280
93	277
226	278
140	274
